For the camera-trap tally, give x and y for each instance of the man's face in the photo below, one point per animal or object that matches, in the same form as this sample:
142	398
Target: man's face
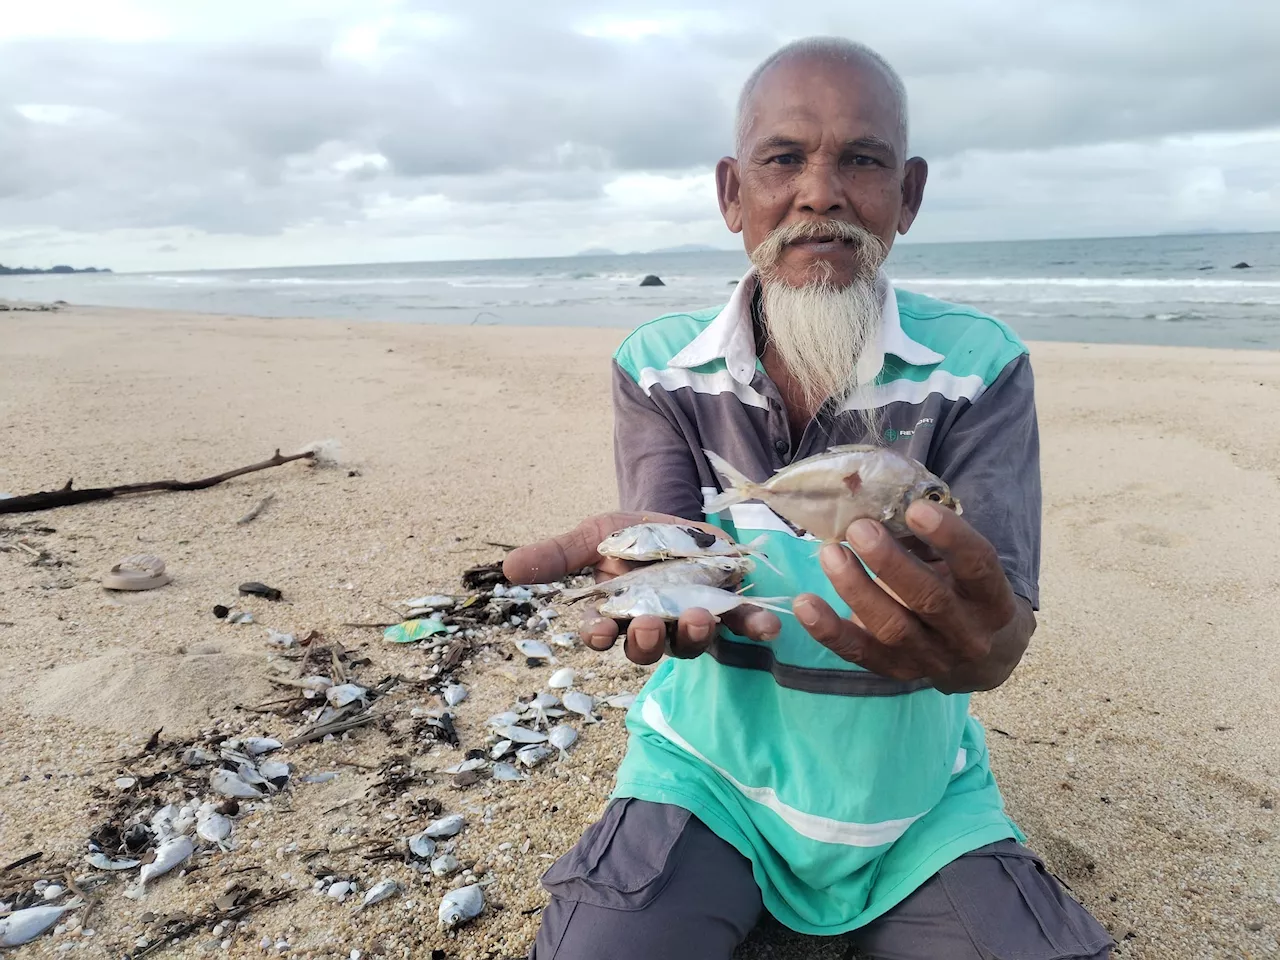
823	143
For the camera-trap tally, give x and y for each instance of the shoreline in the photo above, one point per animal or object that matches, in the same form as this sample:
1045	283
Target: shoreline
1134	744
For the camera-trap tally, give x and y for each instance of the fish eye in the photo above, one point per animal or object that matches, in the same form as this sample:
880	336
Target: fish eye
934	495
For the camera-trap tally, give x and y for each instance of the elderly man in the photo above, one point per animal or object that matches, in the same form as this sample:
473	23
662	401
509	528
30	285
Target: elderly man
825	768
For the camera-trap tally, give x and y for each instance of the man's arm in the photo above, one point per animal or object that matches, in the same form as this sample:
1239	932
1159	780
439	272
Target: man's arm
652	459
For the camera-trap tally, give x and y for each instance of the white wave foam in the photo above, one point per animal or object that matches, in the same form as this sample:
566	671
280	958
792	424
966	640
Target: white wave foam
1128	282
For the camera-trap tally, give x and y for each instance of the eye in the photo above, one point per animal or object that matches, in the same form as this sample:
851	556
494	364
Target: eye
785	159
864	160
934	495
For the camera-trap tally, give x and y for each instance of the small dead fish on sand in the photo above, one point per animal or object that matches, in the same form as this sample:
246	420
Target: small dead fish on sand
668	601
169	855
444	827
672	541
23	926
562	738
377	893
706	571
100	861
825	493
461	905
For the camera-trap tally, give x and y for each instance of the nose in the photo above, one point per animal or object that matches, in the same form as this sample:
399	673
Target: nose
819	191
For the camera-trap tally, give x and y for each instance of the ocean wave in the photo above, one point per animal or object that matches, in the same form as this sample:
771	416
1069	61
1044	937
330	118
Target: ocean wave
1126	282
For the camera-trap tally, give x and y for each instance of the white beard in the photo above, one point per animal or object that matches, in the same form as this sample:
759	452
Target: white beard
820	332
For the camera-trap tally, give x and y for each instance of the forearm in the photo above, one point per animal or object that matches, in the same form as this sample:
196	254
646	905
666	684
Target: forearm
1008	644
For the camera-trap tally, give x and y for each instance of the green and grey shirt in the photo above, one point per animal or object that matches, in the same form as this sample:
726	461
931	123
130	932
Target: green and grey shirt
845	790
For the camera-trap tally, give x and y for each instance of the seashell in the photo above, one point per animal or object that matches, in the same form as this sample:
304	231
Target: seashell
454	694
518	594
460	906
126	783
534	754
257	746
23	926
100	861
501	749
562	736
565	640
534	649
562	678
228	784
341	890
422	846
377	893
505	771
53	891
444	865
346	693
214	828
162	819
581	703
278	639
519	734
445	827
620	701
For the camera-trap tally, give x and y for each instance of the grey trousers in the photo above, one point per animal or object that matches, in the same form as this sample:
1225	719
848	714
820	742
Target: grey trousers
649	881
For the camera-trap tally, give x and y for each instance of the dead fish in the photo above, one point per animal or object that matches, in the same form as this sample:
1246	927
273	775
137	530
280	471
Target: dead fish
169	854
256	746
315	684
825	493
534	754
562	737
276	772
580	703
620	701
421	846
460	906
377	893
566	641
668	601
707	571
445	827
499	720
673	541
229	784
345	693
23	926
500	749
475	763
522	735
454	694
444	865
562	678
505	771
214	828
100	861
542	702
196	757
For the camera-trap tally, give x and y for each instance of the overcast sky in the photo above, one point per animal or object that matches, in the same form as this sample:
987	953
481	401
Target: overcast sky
177	134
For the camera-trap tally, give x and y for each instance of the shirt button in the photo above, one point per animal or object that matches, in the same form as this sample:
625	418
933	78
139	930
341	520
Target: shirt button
781	447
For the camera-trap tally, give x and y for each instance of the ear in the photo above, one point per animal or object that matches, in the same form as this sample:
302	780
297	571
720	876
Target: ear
728	185
916	173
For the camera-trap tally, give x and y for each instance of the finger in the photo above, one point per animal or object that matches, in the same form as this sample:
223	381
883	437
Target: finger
553	559
850	642
910	580
970	557
883	617
646	640
597	632
755	623
693	635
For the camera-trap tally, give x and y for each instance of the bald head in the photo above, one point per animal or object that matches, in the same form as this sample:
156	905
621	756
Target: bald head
823	50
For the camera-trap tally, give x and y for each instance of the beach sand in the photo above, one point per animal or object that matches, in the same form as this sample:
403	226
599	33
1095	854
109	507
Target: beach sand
1137	744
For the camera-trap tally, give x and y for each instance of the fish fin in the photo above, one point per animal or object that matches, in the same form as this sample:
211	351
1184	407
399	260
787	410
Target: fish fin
772	603
755	549
580	593
741	486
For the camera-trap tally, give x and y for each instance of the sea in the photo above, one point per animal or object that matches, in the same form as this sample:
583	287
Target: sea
1176	290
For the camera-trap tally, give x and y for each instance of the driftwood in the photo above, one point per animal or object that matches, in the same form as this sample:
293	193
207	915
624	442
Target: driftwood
49	499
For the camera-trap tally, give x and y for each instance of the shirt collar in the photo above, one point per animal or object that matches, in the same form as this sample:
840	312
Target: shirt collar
730	337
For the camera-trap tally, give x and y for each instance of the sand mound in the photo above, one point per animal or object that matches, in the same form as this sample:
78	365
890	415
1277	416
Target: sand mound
139	693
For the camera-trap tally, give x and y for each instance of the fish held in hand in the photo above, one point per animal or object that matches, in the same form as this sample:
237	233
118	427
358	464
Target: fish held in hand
669	601
825	493
704	571
672	541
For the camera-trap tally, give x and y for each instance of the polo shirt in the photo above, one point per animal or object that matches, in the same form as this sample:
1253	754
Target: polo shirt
846	790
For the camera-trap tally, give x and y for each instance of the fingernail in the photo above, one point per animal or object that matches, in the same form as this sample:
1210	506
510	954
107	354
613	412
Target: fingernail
769	635
925	517
699	632
833	556
864	534
806	612
648	636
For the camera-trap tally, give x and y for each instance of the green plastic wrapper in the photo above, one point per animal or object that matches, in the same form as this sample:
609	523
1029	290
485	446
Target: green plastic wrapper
412	631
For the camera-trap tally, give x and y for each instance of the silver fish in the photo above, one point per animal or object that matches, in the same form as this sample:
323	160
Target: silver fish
23	926
708	571
521	735
214	828
231	785
562	737
505	771
620	701
668	601
256	746
461	905
445	826
580	703
454	694
422	846
345	693
501	749
377	893
534	649
672	541
534	754
100	861
169	854
825	493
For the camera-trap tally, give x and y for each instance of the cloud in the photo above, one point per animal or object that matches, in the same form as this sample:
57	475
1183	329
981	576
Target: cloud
377	119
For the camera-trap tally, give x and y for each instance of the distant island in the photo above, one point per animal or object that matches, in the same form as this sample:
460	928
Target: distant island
682	248
61	268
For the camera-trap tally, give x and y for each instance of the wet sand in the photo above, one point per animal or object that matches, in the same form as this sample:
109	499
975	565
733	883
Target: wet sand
1137	743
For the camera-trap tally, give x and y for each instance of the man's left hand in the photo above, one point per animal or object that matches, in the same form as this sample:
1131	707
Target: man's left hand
955	621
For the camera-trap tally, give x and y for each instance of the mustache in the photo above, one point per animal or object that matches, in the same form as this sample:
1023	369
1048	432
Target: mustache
871	249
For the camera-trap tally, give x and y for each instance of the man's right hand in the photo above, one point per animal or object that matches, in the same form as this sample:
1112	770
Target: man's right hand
550	560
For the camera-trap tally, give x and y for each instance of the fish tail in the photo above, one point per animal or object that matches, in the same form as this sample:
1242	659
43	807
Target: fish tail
756	549
776	604
741	486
